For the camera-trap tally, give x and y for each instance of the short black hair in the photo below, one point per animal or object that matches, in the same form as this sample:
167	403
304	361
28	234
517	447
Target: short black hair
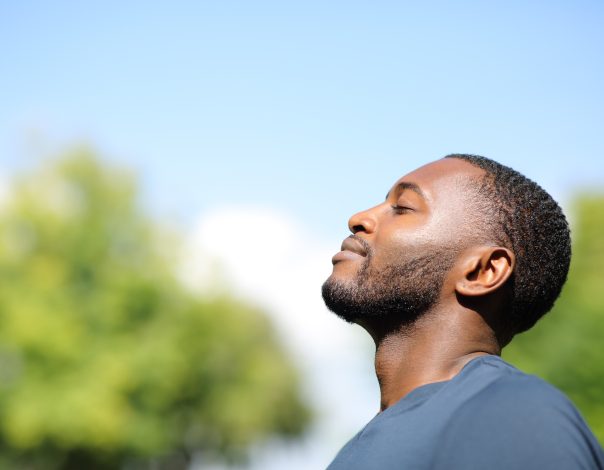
525	219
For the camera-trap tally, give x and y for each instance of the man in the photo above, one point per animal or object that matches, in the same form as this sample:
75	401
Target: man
463	254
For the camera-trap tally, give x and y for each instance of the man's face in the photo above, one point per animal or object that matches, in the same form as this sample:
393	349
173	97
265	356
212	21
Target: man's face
397	260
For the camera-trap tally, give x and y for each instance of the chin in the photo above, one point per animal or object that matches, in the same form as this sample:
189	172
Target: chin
345	280
347	270
339	297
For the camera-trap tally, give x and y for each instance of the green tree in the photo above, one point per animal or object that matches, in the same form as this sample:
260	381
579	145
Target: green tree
565	347
105	360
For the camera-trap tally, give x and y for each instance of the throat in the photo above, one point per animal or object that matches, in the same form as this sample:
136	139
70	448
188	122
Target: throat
408	359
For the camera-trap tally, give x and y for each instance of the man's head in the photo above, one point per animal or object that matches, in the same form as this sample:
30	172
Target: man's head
461	229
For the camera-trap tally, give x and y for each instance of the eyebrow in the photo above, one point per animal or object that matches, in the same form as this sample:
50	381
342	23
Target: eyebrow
406	185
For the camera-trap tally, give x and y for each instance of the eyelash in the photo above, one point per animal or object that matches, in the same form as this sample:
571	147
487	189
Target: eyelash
401	209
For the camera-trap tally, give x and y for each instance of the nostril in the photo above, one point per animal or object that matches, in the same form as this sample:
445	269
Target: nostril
362	222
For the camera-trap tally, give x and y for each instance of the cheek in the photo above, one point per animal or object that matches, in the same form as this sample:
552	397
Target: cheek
403	246
442	228
403	243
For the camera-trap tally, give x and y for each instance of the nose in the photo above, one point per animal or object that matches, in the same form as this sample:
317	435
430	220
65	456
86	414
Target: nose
364	221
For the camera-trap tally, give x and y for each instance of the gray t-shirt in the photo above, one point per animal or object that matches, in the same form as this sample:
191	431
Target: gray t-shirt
489	416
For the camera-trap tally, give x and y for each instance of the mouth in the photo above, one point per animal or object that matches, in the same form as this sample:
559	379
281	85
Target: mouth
352	248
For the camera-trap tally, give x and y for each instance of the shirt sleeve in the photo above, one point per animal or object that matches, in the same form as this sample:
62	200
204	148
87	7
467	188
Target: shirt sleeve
512	425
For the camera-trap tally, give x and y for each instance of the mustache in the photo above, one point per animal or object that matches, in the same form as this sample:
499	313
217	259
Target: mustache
364	244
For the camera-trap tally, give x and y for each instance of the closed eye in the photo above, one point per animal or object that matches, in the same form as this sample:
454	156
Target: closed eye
401	209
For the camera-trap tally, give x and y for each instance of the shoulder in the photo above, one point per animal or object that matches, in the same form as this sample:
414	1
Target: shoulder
511	396
513	391
518	421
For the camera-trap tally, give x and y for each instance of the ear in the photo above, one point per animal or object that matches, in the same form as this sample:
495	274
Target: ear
484	270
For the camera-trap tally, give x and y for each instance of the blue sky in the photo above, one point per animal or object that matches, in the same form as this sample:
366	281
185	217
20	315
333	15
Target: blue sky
279	120
311	107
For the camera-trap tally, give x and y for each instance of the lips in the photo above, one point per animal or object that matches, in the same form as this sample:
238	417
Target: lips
354	245
352	249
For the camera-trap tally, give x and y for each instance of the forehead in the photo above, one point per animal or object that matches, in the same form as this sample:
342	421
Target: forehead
442	178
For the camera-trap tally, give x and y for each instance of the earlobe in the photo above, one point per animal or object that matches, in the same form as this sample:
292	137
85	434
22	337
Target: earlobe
484	270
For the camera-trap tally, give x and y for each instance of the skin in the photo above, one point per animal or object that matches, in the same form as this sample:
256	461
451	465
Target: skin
431	208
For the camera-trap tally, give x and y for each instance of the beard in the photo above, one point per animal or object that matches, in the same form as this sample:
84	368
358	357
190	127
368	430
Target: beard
398	292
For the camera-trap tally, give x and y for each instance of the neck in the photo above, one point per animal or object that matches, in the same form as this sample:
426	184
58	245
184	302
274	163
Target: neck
433	349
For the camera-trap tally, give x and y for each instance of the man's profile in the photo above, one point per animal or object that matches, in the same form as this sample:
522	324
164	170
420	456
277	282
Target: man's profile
463	254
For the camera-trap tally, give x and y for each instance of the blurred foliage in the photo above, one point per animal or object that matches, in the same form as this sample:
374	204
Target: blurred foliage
566	347
105	361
